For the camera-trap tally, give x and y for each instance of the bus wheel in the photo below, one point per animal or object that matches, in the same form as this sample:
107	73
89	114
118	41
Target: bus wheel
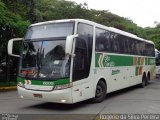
100	92
144	82
148	79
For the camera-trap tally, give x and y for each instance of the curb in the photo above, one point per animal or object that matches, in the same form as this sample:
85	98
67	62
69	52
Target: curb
8	88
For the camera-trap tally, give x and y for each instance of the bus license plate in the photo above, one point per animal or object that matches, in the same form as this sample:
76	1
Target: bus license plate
38	95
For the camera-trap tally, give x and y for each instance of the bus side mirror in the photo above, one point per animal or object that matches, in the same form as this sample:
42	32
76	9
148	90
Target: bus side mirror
10	46
69	44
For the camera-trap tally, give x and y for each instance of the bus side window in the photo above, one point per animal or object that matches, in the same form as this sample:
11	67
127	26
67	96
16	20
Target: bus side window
100	40
121	41
115	43
149	49
132	46
107	43
140	48
137	48
126	46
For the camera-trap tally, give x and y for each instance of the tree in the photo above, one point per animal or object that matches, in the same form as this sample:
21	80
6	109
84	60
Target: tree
11	25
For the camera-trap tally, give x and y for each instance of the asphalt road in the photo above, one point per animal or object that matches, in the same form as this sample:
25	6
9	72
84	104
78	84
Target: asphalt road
128	101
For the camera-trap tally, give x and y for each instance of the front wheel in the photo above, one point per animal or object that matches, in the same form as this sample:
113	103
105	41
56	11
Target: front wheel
100	92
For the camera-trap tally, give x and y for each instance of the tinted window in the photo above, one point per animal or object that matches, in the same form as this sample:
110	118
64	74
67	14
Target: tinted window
122	44
126	45
83	51
115	42
107	41
149	48
142	48
102	40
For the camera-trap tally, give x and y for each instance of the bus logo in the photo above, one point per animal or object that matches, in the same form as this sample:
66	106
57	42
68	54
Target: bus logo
114	72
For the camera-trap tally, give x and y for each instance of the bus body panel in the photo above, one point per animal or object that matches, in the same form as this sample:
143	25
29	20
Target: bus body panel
56	96
124	74
82	91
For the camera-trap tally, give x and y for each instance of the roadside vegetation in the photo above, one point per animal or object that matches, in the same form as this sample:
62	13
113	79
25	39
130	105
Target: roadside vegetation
17	15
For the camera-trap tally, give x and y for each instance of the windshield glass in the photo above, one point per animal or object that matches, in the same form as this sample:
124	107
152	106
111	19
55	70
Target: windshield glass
43	55
44	59
50	30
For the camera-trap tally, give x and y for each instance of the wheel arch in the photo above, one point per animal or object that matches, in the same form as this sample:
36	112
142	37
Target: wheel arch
103	80
101	85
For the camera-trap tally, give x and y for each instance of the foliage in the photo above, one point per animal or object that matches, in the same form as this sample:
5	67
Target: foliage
154	35
16	15
11	25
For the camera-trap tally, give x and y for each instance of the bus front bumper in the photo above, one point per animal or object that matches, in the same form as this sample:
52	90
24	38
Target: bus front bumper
57	96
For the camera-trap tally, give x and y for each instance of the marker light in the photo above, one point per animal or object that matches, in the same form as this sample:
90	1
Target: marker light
21	96
63	101
20	84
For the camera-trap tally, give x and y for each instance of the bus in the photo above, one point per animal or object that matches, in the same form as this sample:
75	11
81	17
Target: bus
157	55
72	60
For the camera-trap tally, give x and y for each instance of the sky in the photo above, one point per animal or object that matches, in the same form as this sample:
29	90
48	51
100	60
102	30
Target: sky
142	12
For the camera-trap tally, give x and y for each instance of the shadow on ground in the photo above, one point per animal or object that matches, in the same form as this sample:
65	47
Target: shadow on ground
70	107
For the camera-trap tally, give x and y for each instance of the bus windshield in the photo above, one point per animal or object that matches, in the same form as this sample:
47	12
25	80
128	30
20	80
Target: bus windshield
50	30
44	57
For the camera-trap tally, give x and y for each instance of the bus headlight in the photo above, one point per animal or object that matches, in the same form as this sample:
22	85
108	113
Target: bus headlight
64	86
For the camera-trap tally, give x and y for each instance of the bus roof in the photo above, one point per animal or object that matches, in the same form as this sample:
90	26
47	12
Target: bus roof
97	25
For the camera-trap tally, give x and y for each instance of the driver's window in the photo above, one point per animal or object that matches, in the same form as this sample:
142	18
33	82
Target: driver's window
83	52
80	62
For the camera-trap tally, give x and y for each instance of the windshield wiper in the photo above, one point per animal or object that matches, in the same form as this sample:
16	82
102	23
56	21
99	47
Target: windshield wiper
39	59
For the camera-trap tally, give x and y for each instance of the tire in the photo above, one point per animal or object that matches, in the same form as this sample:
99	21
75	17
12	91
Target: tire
100	92
147	79
144	82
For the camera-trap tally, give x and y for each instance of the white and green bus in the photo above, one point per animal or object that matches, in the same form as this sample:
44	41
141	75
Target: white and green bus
67	61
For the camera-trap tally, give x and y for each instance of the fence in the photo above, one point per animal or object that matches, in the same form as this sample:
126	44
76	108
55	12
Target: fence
8	71
7	79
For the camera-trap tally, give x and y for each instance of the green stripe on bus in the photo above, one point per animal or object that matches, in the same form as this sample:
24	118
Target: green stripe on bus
97	59
106	60
41	82
19	79
139	60
113	60
151	61
137	71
